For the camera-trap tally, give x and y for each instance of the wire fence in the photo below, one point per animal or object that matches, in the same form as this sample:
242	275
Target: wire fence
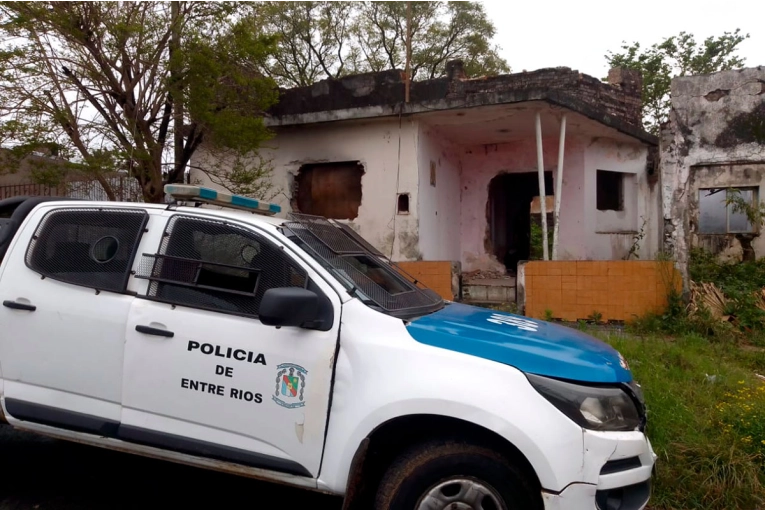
125	189
31	190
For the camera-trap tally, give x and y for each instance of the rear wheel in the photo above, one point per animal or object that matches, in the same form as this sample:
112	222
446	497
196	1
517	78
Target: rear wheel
448	475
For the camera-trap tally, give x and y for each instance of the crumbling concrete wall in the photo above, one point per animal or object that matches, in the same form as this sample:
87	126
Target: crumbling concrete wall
715	119
732	247
387	150
631	232
616	103
483	163
582	236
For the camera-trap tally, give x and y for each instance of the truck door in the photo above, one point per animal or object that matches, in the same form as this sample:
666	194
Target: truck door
65	306
203	375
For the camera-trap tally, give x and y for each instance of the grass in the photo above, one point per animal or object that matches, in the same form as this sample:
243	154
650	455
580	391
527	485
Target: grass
706	419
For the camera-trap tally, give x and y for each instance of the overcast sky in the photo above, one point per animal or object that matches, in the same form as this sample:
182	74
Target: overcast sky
537	34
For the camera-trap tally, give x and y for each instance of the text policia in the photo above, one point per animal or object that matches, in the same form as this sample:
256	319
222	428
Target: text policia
219	389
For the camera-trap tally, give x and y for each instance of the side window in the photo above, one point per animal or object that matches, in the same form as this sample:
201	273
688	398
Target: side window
88	247
213	265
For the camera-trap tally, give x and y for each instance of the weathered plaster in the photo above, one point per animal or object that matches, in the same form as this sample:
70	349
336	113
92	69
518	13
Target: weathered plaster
616	103
611	234
714	119
480	164
580	238
729	247
448	221
376	145
439	206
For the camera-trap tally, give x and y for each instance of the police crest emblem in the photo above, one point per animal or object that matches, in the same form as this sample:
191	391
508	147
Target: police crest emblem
290	385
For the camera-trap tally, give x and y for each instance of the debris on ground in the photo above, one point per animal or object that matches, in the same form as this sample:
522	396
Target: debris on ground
708	296
486	275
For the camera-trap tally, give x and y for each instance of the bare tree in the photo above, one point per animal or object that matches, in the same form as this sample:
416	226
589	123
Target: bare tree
114	85
318	40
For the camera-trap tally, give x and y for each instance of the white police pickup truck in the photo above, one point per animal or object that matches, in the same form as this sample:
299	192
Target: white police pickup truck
290	350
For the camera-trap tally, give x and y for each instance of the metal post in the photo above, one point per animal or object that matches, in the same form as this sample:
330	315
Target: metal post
559	185
542	192
408	82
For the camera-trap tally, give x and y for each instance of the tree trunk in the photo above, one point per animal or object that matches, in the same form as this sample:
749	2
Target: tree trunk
175	44
151	182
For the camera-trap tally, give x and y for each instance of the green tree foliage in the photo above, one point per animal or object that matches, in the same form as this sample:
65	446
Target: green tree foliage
109	86
318	40
678	55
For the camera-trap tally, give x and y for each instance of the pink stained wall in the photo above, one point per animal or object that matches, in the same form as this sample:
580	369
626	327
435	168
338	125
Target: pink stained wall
438	206
482	163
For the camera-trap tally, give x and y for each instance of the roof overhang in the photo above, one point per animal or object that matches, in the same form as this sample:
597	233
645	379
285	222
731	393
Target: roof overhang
554	97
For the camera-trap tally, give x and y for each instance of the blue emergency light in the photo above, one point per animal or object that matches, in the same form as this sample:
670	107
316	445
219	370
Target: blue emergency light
188	193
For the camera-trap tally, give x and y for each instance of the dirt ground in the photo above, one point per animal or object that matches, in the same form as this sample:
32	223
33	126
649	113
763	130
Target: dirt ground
44	474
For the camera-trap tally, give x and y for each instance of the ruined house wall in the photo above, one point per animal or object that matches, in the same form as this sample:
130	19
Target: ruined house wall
439	201
382	93
480	164
585	233
715	119
612	234
728	247
375	144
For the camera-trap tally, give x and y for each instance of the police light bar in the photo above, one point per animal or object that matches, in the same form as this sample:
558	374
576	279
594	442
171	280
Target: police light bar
188	193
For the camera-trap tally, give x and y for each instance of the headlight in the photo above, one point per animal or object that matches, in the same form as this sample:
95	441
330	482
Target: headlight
592	407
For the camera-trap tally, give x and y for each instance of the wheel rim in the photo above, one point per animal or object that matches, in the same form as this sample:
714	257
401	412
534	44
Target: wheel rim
461	494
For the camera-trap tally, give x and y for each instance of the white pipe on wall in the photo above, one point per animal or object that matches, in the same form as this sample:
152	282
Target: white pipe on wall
559	185
542	192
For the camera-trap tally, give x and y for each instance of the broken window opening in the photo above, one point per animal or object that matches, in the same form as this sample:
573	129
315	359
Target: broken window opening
715	217
331	190
403	203
610	191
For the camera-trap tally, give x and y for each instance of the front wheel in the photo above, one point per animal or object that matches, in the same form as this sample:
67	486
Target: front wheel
456	476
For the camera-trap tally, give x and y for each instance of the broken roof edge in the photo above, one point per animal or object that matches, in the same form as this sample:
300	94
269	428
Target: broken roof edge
554	96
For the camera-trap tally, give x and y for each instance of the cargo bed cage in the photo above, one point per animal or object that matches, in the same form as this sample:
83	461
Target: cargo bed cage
365	272
13	212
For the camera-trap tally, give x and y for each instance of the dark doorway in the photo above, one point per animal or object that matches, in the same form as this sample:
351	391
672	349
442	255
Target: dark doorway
509	215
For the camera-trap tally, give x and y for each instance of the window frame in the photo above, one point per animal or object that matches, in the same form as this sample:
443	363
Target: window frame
754	229
33	244
621	197
304	180
259	236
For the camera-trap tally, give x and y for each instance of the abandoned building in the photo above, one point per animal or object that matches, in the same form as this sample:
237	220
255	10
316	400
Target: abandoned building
454	173
712	153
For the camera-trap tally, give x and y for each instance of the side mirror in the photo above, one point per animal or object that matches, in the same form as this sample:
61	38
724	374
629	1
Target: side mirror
289	306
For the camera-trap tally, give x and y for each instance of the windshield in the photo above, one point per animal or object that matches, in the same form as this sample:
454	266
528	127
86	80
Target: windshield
362	269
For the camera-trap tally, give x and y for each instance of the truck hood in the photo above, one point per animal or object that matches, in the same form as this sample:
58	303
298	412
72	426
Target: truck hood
532	346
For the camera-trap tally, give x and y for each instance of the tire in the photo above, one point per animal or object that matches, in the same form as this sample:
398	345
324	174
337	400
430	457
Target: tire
447	472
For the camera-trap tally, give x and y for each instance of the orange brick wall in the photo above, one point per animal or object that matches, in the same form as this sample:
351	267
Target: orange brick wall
618	290
436	275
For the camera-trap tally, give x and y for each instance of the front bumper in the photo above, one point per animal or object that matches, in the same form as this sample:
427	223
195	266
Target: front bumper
616	474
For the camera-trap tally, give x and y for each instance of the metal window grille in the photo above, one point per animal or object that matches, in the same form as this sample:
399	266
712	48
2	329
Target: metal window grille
216	266
89	247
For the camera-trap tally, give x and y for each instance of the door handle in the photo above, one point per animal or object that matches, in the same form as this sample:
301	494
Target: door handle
148	330
14	305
